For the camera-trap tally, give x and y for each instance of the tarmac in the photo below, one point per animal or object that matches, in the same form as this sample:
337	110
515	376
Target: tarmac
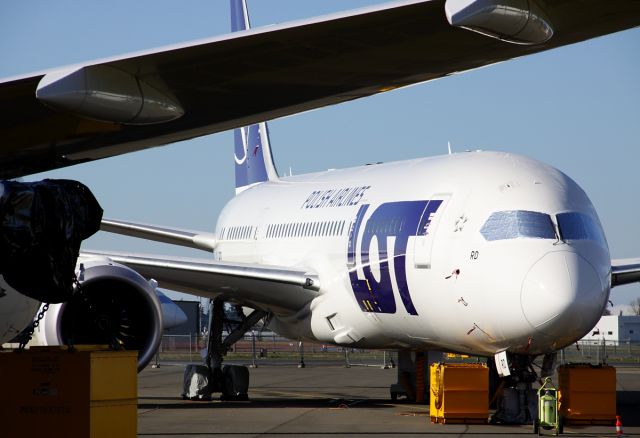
327	400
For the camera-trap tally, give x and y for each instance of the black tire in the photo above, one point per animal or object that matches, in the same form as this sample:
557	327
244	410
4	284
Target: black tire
394	396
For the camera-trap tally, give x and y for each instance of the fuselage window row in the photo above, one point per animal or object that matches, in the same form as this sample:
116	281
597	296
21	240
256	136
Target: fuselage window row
276	231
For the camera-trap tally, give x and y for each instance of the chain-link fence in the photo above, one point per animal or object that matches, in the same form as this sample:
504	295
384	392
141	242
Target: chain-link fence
596	352
256	347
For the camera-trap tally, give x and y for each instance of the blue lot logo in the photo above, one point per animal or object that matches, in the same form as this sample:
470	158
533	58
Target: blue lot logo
398	220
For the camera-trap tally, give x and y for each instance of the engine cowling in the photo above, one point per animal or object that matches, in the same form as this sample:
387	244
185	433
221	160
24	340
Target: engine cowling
117	307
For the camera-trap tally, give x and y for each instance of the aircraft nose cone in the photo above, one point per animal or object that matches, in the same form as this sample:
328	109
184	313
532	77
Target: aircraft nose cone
562	296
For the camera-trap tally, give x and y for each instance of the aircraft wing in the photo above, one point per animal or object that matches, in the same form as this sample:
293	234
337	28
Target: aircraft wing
625	271
141	100
269	288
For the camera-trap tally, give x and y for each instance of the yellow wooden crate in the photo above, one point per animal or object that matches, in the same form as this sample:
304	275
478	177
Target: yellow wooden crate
90	392
459	393
587	393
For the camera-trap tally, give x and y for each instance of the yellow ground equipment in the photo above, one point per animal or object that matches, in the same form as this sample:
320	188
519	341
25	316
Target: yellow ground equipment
548	417
587	393
87	392
459	393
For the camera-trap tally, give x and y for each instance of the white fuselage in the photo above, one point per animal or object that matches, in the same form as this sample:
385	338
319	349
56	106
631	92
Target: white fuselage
463	252
16	311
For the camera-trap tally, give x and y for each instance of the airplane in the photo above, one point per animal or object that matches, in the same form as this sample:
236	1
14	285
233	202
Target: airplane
379	256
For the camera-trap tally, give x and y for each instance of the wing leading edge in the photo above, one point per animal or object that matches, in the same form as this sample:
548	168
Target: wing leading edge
239	79
190	239
270	288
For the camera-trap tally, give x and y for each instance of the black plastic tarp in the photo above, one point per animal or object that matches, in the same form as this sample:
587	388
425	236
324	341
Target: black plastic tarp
43	224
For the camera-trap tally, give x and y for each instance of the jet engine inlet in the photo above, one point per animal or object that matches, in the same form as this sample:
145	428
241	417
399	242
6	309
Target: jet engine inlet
117	307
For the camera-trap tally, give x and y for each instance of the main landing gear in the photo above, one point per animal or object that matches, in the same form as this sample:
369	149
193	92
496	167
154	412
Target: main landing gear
232	381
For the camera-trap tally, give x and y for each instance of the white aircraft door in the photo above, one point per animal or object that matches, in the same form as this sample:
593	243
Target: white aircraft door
425	235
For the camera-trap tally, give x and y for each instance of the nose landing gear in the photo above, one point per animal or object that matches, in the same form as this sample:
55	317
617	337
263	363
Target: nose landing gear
515	399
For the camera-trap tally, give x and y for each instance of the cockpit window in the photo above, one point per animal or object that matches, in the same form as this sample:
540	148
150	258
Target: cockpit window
516	224
579	226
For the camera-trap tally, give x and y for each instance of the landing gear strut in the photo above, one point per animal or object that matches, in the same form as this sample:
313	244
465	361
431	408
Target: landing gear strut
232	381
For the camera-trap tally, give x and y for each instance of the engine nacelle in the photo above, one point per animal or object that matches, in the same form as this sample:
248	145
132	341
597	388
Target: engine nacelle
117	307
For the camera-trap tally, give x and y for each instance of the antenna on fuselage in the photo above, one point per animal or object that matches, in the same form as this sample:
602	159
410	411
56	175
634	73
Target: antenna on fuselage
449	145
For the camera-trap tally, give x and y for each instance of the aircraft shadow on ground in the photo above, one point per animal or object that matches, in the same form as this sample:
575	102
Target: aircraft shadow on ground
263	403
629	407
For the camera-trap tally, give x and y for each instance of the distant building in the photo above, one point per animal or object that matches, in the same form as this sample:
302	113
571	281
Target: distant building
615	329
192	326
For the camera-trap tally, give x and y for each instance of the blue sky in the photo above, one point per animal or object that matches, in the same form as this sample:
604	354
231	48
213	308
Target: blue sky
576	108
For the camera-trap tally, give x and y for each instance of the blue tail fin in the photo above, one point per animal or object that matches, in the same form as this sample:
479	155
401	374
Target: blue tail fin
254	163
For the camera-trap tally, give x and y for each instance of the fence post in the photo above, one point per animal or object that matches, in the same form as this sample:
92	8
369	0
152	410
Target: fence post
157	363
346	358
301	364
253	350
